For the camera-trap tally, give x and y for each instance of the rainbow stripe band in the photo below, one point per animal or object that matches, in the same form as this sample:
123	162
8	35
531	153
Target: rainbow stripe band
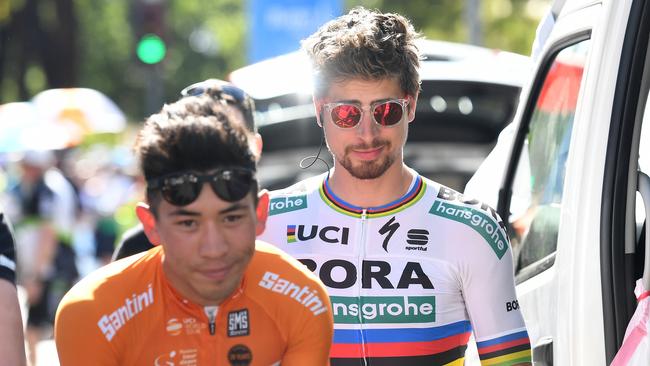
411	197
449	340
507	350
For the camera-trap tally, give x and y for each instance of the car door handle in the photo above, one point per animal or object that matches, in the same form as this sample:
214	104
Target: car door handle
543	352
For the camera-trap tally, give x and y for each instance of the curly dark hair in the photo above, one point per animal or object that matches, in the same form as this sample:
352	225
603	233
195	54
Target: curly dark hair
364	44
192	134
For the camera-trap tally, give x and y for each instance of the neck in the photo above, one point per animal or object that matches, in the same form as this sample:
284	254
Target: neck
393	184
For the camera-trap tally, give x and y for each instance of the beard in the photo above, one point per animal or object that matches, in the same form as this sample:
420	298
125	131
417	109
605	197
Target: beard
367	169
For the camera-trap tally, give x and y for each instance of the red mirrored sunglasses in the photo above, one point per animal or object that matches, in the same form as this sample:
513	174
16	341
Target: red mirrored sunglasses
385	113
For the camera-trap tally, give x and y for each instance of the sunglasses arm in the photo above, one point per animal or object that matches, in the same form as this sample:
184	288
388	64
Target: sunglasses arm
318	106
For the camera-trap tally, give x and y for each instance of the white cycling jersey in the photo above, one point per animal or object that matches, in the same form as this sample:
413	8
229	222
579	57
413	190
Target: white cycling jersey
410	280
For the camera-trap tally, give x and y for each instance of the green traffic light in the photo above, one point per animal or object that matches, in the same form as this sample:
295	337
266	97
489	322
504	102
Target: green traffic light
151	49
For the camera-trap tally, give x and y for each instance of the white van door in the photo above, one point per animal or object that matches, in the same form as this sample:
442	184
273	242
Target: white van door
568	192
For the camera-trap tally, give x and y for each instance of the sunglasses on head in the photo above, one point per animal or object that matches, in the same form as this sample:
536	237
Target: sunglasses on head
217	87
385	113
181	189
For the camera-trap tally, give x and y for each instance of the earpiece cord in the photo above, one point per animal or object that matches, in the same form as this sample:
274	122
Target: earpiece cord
315	157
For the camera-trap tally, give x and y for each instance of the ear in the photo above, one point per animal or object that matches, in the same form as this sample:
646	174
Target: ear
258	146
318	105
413	102
148	221
262	211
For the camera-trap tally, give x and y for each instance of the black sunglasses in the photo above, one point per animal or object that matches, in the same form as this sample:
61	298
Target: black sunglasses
181	189
227	92
212	85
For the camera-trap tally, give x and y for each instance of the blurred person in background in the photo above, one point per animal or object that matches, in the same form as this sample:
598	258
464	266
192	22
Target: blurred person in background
208	293
42	205
241	104
12	340
412	267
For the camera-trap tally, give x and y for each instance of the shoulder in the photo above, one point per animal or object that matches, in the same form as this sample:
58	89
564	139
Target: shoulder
280	281
270	258
473	215
295	197
133	241
108	286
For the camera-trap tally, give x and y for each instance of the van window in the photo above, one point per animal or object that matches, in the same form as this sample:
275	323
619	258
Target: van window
539	181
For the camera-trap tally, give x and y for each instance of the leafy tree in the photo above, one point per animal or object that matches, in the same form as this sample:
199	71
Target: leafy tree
64	43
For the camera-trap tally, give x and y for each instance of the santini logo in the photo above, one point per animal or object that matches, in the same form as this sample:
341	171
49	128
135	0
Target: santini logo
303	294
111	323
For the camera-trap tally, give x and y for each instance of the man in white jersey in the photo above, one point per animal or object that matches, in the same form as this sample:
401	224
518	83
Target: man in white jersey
412	267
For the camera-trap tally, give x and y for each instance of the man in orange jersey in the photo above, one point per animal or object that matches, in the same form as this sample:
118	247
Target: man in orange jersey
208	294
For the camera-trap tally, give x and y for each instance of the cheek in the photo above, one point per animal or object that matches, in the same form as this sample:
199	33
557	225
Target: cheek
179	245
242	242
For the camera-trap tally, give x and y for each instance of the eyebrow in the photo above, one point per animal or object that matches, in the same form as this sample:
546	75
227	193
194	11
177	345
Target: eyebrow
356	101
185	212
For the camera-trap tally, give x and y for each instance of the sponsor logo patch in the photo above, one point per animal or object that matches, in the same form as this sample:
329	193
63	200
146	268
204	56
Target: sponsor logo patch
326	234
373	274
388	229
110	324
512	305
483	224
240	355
280	205
185	357
174	327
417	239
306	296
291	233
238	323
383	309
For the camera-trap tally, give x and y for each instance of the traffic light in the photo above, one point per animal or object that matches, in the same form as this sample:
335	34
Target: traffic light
151	49
149	21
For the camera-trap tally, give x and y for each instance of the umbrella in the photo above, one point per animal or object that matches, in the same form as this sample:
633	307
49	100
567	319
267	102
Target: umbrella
79	111
20	130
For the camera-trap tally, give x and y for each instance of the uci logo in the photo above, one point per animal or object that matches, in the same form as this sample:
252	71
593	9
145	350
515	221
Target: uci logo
327	234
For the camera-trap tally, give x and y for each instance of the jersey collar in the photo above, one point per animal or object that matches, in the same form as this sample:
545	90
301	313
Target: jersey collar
414	193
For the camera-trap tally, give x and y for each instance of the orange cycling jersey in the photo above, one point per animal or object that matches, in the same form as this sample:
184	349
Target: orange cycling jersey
127	313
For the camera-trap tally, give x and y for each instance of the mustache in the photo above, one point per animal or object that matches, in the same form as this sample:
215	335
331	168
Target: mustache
374	144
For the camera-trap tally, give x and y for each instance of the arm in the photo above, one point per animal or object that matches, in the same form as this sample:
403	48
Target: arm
310	336
77	336
12	344
12	340
491	302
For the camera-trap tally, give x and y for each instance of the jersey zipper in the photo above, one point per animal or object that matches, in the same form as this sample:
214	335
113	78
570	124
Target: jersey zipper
211	312
362	255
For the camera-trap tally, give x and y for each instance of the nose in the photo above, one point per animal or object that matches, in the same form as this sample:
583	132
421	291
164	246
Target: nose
213	243
367	128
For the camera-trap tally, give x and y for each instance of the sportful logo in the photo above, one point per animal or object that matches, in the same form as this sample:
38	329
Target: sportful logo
303	294
383	309
280	205
417	239
490	228
327	234
111	323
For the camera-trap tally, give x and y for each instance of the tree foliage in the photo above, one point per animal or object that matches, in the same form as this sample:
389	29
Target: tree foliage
64	43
